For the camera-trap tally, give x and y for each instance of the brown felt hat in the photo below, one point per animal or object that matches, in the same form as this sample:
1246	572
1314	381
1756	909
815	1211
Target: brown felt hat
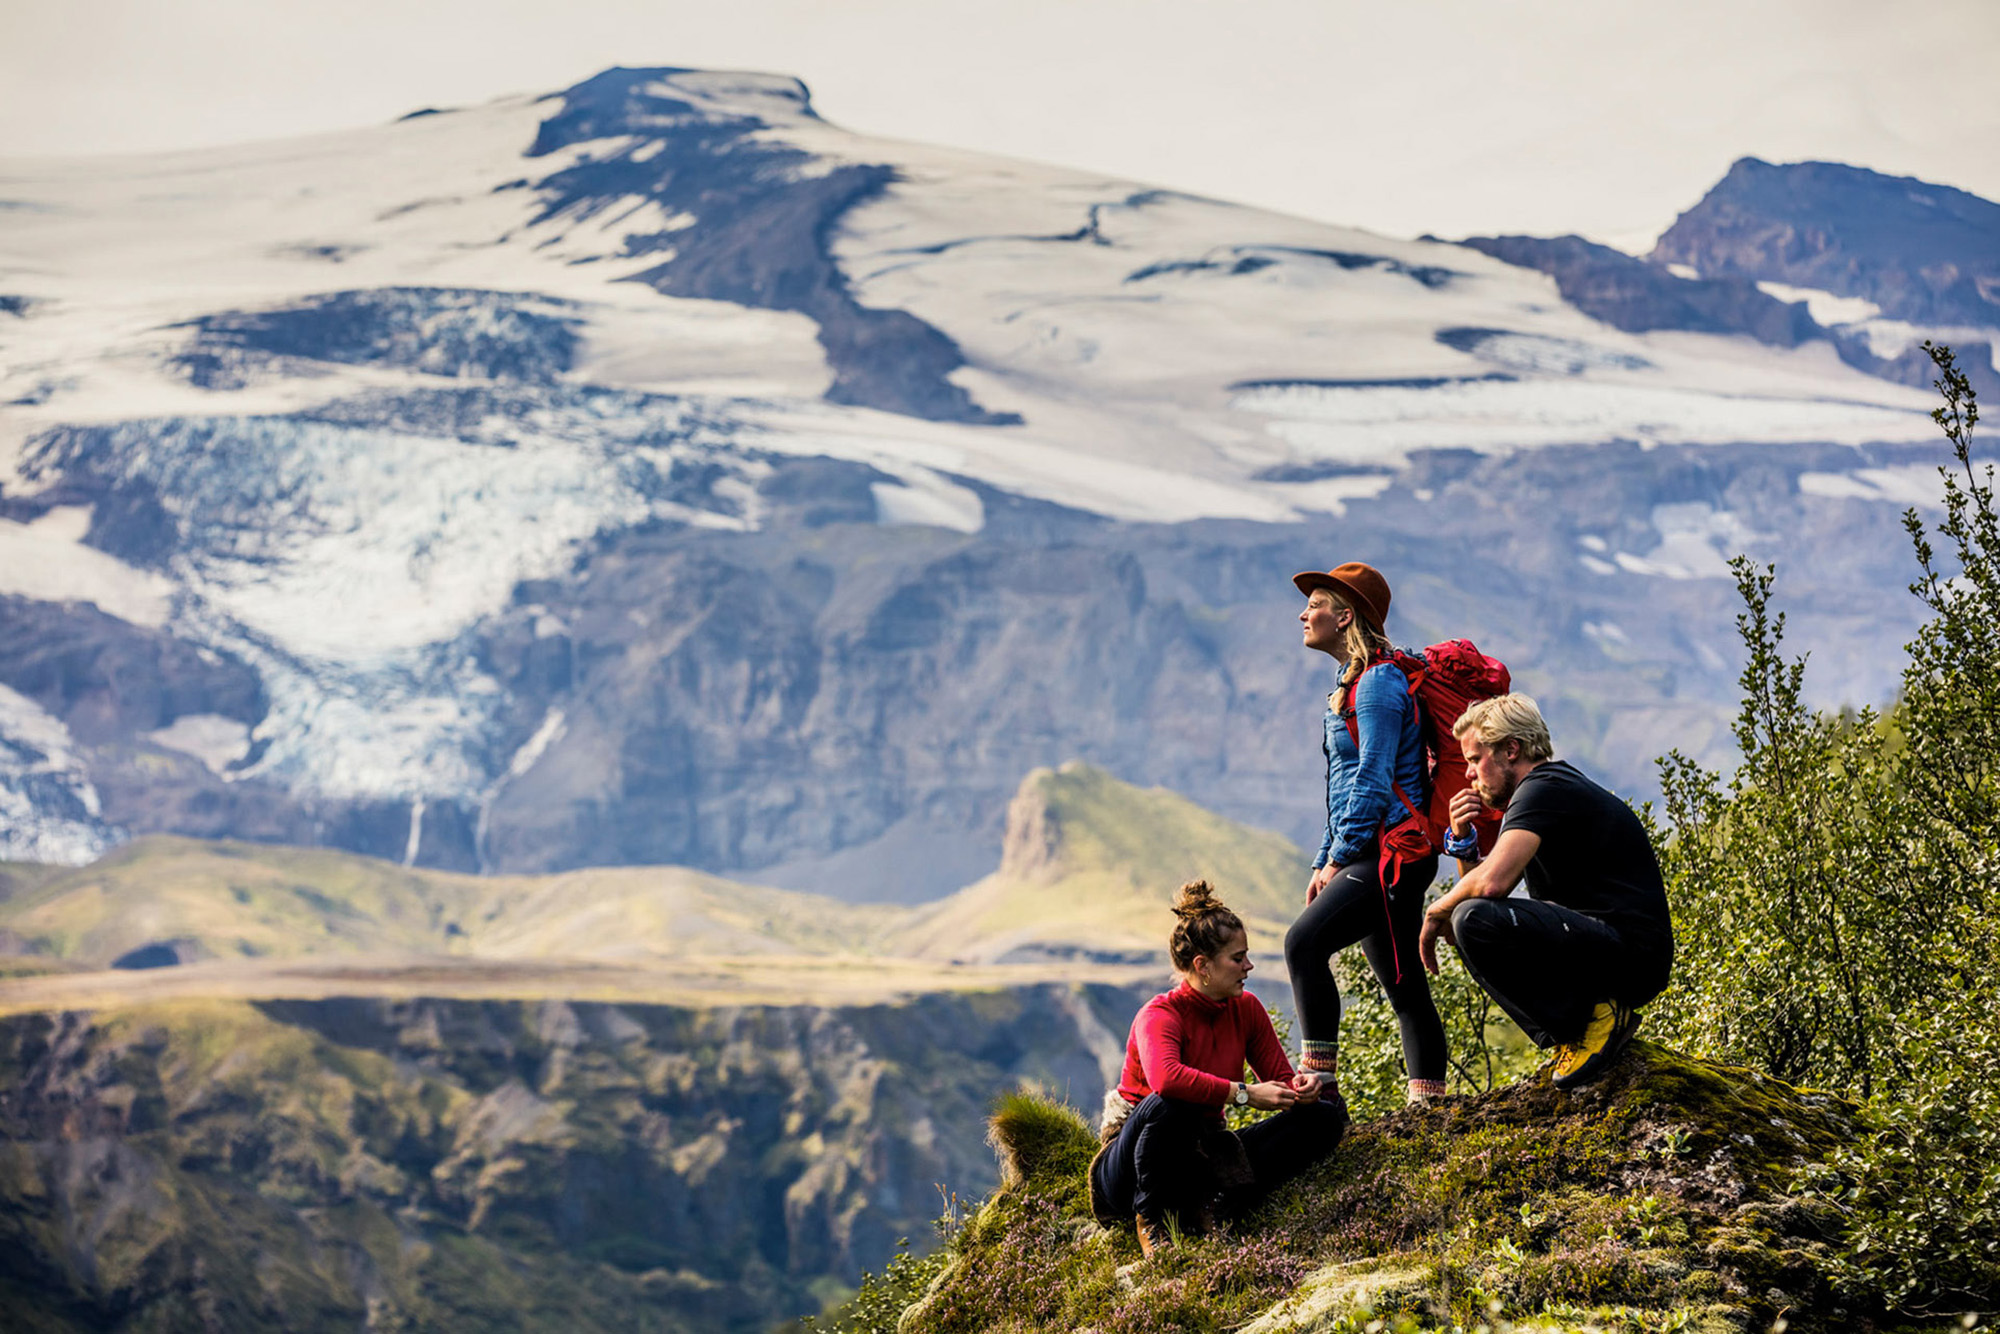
1363	585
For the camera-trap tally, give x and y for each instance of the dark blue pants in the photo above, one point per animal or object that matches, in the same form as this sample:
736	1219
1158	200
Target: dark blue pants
1159	1165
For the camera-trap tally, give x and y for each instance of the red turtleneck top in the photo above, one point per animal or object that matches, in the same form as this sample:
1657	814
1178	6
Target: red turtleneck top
1186	1046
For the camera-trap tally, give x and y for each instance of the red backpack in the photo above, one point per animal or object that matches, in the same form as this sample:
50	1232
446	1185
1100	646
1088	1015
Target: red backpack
1444	679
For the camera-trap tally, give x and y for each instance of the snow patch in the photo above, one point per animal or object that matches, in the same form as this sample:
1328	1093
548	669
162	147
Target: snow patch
1696	542
924	499
416	838
216	741
49	809
547	734
1329	495
47	561
1909	484
1381	424
1825	307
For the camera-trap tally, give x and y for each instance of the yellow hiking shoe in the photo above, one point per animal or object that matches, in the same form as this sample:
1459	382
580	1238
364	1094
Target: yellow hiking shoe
1611	1027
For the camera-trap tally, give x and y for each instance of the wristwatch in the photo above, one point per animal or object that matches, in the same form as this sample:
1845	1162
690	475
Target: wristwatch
1240	1094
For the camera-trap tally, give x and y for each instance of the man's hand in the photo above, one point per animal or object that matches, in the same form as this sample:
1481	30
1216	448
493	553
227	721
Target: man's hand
1271	1096
1321	879
1437	926
1306	1086
1466	807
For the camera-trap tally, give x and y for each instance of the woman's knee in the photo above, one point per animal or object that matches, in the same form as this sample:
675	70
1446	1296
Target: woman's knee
1302	948
1411	998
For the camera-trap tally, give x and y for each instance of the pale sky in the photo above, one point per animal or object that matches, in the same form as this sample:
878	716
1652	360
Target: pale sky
1405	116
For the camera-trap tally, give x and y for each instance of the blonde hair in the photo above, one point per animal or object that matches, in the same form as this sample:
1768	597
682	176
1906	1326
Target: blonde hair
1205	927
1507	718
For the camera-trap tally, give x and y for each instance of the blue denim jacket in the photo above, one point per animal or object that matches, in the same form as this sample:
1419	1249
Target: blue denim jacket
1358	793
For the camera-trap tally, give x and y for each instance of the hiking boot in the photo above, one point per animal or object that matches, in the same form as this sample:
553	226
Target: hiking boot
1153	1235
1579	1063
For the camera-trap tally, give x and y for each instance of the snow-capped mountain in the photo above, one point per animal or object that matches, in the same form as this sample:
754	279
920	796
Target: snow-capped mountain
656	472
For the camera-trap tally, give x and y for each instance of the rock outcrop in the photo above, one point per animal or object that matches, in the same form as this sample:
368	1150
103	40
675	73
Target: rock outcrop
1660	1198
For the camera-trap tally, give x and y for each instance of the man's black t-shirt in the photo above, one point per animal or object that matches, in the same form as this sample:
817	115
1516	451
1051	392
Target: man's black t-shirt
1595	857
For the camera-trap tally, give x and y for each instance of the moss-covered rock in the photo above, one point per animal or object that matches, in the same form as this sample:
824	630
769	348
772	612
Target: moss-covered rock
1654	1200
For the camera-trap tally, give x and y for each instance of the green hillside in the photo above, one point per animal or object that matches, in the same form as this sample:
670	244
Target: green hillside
227	900
1090	866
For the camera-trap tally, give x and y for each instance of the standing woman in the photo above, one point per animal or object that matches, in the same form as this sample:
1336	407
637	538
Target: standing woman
1375	861
1167	1153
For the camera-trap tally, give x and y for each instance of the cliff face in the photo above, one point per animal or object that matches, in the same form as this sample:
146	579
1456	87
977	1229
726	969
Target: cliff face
499	1165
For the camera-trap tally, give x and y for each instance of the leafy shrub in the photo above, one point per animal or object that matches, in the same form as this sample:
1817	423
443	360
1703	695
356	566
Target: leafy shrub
879	1304
1836	910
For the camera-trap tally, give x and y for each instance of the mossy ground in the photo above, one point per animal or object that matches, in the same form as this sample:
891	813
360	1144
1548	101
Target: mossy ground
1655	1200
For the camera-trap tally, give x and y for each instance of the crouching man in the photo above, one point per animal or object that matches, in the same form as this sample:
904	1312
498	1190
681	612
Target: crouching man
1574	961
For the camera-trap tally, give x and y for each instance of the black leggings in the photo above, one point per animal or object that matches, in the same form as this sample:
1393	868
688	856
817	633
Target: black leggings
1350	909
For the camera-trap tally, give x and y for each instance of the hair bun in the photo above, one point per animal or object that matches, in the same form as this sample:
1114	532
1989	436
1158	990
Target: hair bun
1196	899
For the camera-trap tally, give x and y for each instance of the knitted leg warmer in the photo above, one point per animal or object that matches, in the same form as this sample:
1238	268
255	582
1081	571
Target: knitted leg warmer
1423	1092
1321	1058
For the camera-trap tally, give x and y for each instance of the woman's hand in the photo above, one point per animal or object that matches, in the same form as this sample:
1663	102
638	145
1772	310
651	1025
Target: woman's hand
1271	1096
1321	879
1306	1086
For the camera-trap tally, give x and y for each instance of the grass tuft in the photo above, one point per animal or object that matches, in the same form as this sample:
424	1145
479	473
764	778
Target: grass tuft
1038	1138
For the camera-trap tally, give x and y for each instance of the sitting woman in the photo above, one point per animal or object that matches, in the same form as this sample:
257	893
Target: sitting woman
1167	1153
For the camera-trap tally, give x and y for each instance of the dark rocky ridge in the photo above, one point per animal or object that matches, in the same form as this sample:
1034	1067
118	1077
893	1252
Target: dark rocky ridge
1638	296
1925	253
765	227
1635	296
501	336
107	678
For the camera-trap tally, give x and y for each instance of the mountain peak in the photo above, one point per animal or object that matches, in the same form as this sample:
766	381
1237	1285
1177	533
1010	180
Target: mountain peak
1922	252
1089	865
649	102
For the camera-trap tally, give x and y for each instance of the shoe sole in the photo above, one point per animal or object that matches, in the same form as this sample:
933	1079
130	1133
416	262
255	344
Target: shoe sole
1600	1065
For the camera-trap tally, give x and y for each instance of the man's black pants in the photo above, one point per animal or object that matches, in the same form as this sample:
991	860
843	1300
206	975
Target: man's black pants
1548	966
1164	1159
